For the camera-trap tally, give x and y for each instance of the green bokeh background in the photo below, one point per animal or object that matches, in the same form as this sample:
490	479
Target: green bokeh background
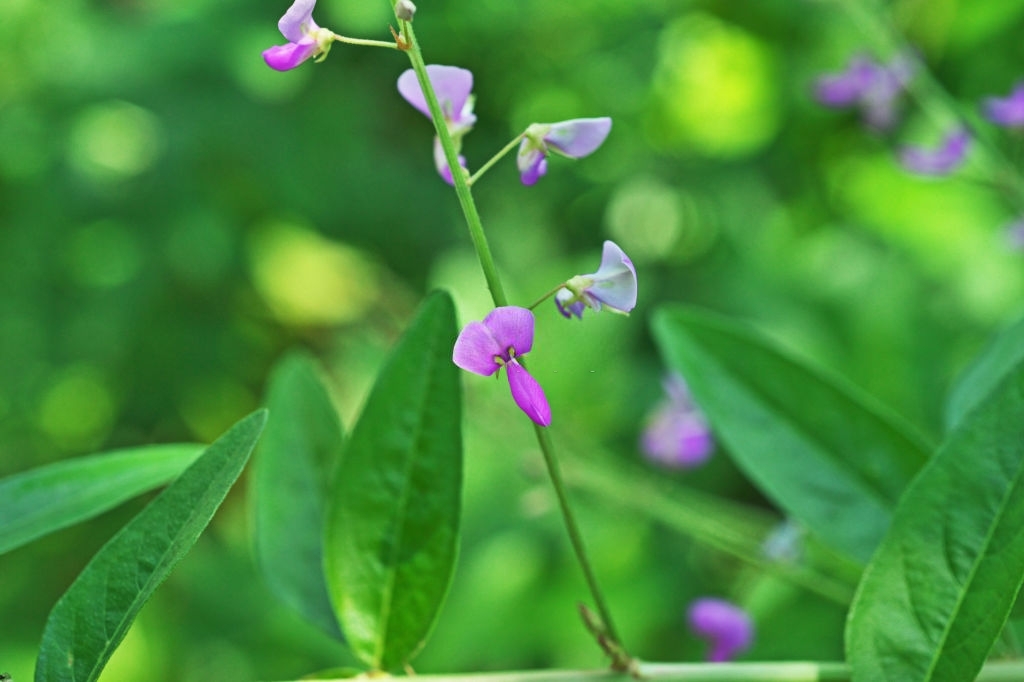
174	215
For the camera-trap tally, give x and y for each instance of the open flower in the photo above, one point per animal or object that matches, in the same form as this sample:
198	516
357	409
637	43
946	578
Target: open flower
505	335
575	138
1006	111
305	38
726	626
453	87
677	434
872	87
940	160
612	286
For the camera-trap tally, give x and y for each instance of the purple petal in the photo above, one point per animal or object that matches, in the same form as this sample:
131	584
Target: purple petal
1006	111
531	162
939	161
298	22
528	394
451	84
677	438
285	57
476	349
846	88
726	626
615	281
441	163
511	326
580	136
576	308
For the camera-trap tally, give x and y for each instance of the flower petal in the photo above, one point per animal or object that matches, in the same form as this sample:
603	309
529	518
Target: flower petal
939	161
528	394
847	87
297	22
677	438
441	163
476	348
451	84
511	326
727	626
1006	111
531	162
615	281
562	296
285	57
580	136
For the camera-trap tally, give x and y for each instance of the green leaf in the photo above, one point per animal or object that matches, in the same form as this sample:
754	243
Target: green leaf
1002	355
44	500
291	473
824	452
92	617
393	520
939	590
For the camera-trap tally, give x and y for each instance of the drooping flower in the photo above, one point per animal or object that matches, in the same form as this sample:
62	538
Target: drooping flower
677	434
613	286
305	38
940	160
1006	111
872	87
453	87
505	335
576	138
726	626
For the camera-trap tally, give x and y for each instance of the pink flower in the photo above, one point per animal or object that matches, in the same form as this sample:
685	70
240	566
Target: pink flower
453	87
613	286
726	626
940	160
576	138
305	38
505	335
677	435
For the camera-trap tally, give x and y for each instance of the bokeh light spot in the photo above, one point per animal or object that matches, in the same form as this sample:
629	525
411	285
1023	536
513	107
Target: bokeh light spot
104	254
644	217
715	86
306	279
25	149
114	140
77	410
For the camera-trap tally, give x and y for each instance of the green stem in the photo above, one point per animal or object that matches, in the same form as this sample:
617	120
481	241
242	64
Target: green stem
476	228
495	159
476	231
547	296
365	42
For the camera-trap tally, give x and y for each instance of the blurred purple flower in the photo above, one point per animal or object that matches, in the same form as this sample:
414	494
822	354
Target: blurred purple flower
677	434
505	335
940	160
453	87
305	38
1006	111
612	286
872	87
576	138
1015	234
726	626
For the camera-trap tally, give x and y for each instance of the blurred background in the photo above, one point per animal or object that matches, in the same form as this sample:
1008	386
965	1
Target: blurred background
174	215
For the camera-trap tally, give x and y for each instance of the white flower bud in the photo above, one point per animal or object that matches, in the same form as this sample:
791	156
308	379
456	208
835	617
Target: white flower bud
405	10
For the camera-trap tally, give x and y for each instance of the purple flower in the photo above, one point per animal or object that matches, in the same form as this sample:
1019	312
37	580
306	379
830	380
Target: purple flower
305	38
940	160
1014	233
1006	111
505	335
452	86
726	626
575	138
872	87
677	434
612	286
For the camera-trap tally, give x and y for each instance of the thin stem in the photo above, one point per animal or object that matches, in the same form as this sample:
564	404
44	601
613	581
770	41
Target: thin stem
547	296
365	42
476	228
495	159
476	231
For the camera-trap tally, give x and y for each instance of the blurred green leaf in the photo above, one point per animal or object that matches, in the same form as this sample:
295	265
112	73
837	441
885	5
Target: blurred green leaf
1001	356
43	500
939	590
93	616
291	473
819	449
393	520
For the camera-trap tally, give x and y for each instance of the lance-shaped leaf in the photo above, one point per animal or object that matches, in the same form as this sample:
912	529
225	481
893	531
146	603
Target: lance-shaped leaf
43	500
937	593
93	616
824	452
999	358
393	518
291	473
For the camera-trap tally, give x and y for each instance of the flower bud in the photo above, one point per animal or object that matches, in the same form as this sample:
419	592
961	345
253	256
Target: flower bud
405	10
